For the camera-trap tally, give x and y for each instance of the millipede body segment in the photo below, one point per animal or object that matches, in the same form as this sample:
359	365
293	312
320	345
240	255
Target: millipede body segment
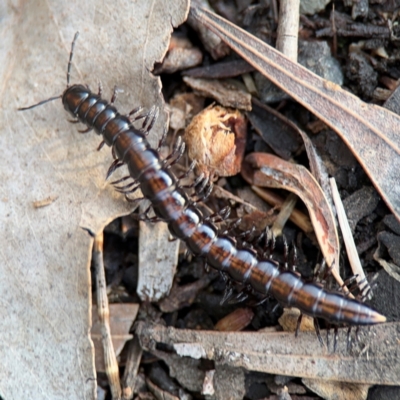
185	221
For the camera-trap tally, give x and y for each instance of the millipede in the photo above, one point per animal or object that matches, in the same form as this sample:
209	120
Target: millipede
172	205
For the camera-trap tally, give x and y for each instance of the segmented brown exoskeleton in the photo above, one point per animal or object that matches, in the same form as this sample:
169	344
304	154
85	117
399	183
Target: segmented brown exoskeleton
171	204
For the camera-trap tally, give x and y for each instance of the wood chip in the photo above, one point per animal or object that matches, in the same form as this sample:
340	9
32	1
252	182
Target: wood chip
224	92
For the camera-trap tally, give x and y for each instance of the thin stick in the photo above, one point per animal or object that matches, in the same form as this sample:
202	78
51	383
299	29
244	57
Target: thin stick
287	43
349	242
297	217
284	214
110	359
288	28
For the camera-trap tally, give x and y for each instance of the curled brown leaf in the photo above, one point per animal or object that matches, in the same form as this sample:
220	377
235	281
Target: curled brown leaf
262	169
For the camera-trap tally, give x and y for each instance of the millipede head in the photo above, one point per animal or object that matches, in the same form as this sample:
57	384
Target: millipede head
73	97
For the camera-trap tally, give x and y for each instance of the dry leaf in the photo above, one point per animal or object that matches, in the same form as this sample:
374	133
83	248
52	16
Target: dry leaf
275	129
375	353
262	169
45	287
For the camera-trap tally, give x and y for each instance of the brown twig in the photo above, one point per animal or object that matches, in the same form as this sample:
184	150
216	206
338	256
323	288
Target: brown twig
110	360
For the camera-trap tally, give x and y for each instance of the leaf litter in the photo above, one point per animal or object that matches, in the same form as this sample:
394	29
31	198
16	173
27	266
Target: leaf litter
373	140
92	217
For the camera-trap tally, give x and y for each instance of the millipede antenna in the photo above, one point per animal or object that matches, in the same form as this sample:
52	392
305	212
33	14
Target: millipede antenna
71	54
68	78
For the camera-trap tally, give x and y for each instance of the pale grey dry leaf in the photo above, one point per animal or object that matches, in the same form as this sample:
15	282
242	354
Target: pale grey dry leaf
45	350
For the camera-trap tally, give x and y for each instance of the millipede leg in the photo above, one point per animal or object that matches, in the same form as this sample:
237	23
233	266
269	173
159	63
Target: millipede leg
206	194
145	217
101	145
298	325
150	120
196	182
100	89
219	216
285	253
240	297
115	165
357	333
269	247
335	338
176	153
201	183
125	178
85	130
114	156
207	267
349	339
204	191
350	284
272	243
318	332
127	186
136	114
248	235
127	189
232	227
188	171
365	289
128	199
293	259
227	292
320	271
260	238
114	95
328	271
162	140
259	243
327	336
